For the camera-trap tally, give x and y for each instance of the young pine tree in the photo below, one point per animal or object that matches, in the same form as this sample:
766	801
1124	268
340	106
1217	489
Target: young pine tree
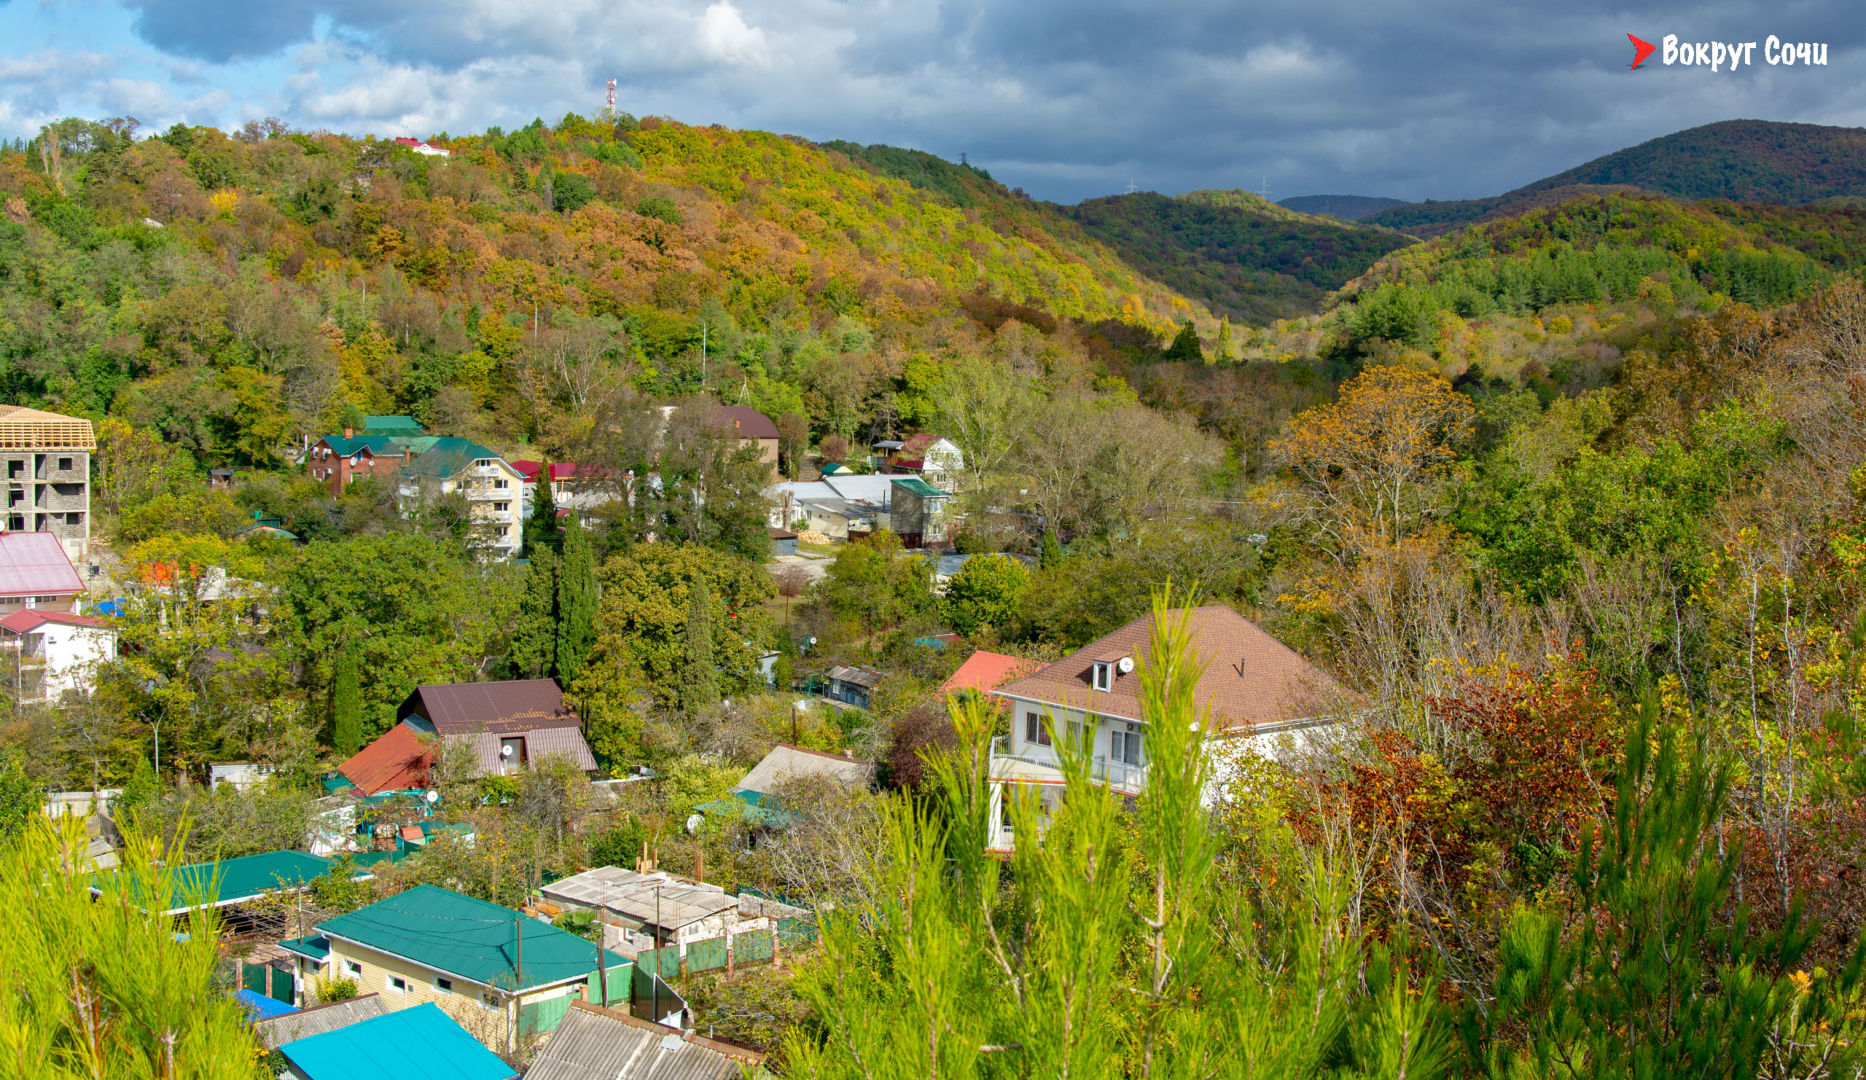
534	632
699	683
346	702
576	603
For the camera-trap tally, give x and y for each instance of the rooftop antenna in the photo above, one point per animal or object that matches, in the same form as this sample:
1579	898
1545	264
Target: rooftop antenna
1264	192
612	97
1131	187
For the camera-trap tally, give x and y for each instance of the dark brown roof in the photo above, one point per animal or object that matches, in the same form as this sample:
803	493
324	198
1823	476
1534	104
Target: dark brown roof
470	708
751	423
1250	677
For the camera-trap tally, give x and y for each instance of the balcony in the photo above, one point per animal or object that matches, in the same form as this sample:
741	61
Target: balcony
1039	766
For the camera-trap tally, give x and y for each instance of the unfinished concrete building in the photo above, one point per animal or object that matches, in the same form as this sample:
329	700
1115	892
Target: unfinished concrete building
46	459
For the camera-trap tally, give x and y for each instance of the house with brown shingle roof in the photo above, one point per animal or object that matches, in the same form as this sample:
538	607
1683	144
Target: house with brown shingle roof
508	725
1259	693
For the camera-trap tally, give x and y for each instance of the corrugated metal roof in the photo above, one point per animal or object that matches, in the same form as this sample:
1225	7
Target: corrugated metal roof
422	1043
986	671
860	676
626	892
513	705
230	881
395	761
917	486
317	1020
594	1043
455	934
785	761
26	620
35	564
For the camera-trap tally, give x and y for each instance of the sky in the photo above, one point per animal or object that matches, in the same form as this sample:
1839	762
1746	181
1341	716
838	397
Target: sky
1068	99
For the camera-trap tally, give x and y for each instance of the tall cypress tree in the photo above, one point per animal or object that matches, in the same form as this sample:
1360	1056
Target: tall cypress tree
1052	551
541	525
346	703
534	635
699	686
576	603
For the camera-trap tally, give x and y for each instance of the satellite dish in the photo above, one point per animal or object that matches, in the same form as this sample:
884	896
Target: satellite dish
506	750
1126	664
694	821
433	797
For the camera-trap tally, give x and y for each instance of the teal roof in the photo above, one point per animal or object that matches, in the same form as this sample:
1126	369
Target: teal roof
392	425
313	948
438	458
917	486
379	445
448	932
744	806
370	858
229	881
422	1043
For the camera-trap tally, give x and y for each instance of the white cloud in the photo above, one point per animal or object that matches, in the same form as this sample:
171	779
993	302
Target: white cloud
725	35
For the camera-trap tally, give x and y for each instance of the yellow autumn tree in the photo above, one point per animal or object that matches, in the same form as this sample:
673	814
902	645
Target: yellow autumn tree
1372	463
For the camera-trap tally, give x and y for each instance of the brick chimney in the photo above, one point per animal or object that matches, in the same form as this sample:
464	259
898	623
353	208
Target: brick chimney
349	433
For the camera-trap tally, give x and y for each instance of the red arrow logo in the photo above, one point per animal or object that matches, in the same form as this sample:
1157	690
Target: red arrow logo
1641	50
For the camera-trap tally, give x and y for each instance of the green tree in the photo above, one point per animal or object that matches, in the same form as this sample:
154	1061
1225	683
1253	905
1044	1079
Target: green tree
541	529
641	640
987	591
534	630
21	797
576	603
1185	347
699	683
1052	551
876	583
346	702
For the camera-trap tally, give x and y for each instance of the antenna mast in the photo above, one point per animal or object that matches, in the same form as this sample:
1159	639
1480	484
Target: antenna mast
612	97
1264	192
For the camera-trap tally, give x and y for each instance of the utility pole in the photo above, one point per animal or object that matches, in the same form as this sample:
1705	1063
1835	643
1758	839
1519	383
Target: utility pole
602	969
518	966
654	981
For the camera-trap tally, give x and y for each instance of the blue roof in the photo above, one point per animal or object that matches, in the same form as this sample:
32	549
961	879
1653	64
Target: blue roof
422	1043
262	1007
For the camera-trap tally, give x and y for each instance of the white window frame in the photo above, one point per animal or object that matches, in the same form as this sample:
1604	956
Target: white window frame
390	984
1102	676
353	969
1036	732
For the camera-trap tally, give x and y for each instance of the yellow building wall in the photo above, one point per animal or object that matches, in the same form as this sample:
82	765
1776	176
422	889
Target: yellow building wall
462	1003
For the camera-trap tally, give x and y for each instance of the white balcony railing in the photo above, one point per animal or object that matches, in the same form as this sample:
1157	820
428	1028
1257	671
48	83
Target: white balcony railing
1118	775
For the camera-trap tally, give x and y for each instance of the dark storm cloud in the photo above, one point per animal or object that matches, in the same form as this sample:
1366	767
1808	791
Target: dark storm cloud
1443	98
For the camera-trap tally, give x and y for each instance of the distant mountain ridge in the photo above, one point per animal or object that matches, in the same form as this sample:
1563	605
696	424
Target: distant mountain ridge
1740	160
1345	207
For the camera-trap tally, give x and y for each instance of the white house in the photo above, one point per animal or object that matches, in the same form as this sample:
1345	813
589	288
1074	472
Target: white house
935	458
55	652
1261	696
494	490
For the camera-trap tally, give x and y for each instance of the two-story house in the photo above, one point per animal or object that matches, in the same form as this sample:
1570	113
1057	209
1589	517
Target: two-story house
506	725
340	460
1261	696
493	488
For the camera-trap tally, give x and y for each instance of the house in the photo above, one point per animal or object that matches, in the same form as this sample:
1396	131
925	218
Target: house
493	489
1258	692
852	685
936	460
489	967
595	1043
754	428
507	725
55	653
651	910
226	883
317	1019
222	479
984	672
423	148
47	461
918	512
573	486
838	506
422	1043
36	573
264	524
340	460
786	762
238	775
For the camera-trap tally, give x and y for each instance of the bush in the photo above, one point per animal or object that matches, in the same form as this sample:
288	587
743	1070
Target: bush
661	209
333	988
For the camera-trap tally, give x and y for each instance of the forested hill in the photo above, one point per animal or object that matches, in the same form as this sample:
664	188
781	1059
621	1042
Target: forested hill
1345	207
1244	256
238	294
1740	160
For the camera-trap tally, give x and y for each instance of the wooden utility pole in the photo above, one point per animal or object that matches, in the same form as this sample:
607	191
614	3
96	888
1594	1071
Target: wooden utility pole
518	967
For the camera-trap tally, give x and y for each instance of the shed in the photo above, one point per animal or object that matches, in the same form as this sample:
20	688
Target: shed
666	907
317	1020
853	685
783	541
232	881
786	762
594	1043
419	1043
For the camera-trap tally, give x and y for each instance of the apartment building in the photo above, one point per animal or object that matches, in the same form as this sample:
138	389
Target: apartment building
46	459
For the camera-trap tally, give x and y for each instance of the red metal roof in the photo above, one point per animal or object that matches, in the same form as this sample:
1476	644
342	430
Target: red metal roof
394	762
510	706
985	672
28	619
35	564
528	469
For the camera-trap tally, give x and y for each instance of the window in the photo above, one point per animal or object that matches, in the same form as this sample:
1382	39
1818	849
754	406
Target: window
1079	736
444	985
490	1000
398	984
1124	745
1103	677
501	485
64	464
353	969
501	507
1035	732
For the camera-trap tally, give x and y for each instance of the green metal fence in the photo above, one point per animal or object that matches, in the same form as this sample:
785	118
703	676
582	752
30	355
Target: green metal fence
708	955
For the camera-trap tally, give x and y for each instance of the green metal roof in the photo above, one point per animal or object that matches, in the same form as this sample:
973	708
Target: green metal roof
439	458
745	806
230	881
392	425
453	934
406	1044
312	948
917	486
369	859
379	445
